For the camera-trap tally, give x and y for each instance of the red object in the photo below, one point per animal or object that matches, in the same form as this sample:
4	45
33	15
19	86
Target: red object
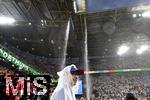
110	71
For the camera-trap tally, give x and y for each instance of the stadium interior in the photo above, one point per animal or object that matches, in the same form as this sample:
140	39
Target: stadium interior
48	34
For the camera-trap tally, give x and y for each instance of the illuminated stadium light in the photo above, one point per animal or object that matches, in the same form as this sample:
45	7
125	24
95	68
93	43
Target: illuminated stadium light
122	50
146	14
29	23
6	20
134	15
139	51
140	14
142	49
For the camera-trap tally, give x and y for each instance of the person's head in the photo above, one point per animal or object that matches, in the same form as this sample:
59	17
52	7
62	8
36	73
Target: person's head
95	95
130	96
69	75
75	73
74	78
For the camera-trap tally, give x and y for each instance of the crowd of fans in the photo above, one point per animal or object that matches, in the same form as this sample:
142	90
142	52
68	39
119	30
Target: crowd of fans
116	86
113	86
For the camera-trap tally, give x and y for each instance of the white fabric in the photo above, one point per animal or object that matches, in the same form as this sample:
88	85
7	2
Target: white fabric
64	89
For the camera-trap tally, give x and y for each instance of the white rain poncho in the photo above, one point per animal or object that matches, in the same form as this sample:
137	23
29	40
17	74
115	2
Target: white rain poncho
64	89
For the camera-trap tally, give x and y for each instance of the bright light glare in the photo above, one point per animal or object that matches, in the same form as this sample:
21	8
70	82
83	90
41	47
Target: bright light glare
6	20
122	50
29	23
140	14
134	15
142	49
146	14
139	51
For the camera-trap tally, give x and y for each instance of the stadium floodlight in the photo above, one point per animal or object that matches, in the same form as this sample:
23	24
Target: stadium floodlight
138	51
122	50
134	15
142	49
6	20
146	14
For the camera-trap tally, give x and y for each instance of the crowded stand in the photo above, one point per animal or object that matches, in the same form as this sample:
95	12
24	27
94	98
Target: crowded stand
116	86
74	50
113	86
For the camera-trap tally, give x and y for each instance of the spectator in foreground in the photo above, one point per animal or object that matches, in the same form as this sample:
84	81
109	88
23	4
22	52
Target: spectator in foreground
67	79
130	96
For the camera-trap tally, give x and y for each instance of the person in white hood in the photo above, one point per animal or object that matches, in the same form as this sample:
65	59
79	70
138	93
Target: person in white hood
67	79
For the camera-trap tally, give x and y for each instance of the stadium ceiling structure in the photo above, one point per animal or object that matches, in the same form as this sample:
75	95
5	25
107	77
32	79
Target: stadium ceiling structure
38	21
